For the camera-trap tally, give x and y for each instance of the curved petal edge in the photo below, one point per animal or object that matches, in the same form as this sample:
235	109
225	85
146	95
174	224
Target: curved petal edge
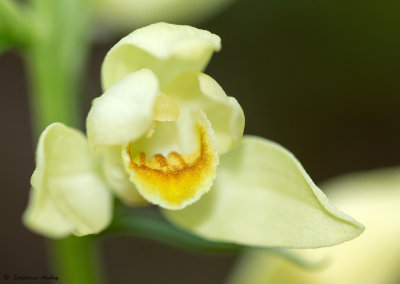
263	197
166	49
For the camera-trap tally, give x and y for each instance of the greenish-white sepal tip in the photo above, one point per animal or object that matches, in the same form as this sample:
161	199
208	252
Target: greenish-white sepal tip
262	196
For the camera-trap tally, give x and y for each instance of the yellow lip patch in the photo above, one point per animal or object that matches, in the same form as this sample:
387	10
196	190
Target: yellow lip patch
175	181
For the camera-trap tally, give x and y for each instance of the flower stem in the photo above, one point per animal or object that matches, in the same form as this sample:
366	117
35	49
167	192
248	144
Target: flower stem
56	54
75	260
149	224
56	57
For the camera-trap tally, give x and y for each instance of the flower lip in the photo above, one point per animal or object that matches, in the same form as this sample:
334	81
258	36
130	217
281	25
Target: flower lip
175	181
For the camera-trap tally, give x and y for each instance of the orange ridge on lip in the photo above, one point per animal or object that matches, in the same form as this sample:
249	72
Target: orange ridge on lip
176	180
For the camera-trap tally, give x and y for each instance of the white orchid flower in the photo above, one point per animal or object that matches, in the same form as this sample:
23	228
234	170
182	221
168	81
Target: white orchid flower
168	134
164	133
373	258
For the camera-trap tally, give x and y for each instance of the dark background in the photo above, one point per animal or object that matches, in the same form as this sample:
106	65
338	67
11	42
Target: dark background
319	77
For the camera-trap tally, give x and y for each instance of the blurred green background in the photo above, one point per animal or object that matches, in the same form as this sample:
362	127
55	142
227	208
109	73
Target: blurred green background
319	77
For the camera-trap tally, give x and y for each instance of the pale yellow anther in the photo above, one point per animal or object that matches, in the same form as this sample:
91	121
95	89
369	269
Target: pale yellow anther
165	109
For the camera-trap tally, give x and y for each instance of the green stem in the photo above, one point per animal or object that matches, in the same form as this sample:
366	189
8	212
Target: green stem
76	260
56	55
148	224
56	58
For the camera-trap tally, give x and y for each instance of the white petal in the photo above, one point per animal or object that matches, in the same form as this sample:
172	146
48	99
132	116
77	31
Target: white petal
166	49
373	258
195	91
263	197
84	199
125	111
43	217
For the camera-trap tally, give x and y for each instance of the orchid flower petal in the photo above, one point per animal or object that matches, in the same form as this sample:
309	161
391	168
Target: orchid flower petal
166	49
196	91
263	197
125	111
373	258
42	215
